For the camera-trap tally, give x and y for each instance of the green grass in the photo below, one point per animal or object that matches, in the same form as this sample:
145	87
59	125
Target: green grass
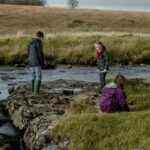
124	131
138	95
84	128
71	48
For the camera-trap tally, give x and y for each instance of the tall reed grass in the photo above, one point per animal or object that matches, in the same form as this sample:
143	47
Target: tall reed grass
78	48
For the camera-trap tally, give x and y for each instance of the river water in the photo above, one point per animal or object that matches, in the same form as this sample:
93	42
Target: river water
11	76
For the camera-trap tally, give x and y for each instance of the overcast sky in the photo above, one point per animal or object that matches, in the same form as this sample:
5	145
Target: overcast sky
107	4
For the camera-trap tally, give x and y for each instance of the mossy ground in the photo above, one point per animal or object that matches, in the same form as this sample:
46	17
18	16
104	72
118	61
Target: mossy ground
91	130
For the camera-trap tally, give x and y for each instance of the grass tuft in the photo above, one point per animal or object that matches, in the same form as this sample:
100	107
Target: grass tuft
78	49
86	129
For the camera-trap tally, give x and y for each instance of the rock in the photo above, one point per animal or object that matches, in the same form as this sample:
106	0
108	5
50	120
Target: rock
142	64
33	116
12	84
130	64
8	143
69	66
11	89
62	71
92	63
8	137
50	66
68	92
5	78
0	92
20	65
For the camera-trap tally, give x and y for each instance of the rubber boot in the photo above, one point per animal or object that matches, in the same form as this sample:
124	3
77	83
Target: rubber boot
37	86
33	82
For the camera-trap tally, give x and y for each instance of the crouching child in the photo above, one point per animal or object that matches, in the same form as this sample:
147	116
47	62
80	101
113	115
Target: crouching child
113	97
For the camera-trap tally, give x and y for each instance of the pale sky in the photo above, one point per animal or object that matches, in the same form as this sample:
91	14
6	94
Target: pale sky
143	5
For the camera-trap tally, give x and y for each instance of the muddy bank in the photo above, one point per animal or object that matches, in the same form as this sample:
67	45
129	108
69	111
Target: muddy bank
33	116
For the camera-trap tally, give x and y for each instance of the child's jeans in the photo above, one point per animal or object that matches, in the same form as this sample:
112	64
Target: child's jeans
36	73
102	76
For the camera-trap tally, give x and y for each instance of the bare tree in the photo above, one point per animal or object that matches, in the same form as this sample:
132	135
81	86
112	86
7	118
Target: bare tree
73	3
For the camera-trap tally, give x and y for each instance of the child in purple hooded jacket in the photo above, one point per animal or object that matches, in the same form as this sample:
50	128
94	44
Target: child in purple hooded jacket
113	97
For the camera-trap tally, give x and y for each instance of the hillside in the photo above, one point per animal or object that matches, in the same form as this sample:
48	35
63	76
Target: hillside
32	18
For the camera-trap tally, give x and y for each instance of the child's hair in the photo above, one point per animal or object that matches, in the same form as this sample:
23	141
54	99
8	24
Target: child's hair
100	43
120	80
40	34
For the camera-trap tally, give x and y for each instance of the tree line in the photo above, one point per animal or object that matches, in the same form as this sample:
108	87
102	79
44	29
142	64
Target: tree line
70	3
24	2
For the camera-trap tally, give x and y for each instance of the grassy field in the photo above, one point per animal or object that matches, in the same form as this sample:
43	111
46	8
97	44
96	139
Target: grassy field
70	34
90	130
29	19
77	48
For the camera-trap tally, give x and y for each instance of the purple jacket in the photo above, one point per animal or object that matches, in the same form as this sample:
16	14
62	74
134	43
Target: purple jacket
113	99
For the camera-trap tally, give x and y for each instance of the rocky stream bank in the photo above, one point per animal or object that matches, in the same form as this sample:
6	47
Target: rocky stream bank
33	116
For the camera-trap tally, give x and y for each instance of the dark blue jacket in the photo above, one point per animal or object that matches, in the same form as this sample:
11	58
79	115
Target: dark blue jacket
35	53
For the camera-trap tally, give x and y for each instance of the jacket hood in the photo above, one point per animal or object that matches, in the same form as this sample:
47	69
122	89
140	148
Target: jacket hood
34	40
111	85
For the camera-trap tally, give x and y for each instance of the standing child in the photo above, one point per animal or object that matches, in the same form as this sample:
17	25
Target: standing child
102	62
36	61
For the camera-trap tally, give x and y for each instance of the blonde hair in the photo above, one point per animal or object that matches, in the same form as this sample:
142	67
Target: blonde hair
120	80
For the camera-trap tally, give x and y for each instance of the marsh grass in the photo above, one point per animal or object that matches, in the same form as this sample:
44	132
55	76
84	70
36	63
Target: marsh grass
84	128
138	95
70	48
91	131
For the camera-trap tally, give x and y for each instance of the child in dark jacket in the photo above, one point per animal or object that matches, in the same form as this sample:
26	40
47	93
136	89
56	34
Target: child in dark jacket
102	62
113	97
36	61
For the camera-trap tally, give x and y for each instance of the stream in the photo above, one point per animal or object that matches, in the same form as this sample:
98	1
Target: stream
11	77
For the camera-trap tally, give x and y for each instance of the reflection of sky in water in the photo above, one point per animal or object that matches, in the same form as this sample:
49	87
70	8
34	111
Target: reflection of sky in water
107	4
88	74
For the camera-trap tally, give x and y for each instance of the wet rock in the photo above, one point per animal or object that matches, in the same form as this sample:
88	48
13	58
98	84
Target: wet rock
34	116
130	64
8	143
50	66
20	65
69	66
92	63
142	64
62	71
11	89
8	138
68	92
5	78
12	84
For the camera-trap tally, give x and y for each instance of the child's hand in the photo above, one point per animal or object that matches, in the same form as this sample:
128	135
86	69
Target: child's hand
97	71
